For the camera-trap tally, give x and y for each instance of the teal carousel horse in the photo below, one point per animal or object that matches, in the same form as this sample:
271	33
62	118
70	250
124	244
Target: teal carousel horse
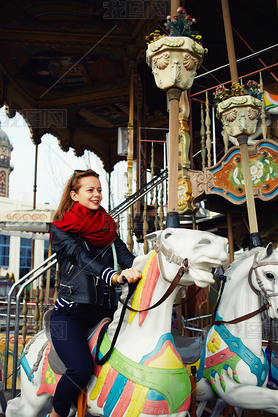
144	375
233	363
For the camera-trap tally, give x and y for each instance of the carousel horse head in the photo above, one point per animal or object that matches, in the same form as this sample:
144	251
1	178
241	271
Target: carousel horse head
198	251
263	278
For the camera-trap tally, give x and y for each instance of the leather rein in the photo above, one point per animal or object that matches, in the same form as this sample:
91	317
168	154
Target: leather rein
170	256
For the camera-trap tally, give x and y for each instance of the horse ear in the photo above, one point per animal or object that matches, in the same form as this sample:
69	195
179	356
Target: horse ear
266	253
269	249
153	236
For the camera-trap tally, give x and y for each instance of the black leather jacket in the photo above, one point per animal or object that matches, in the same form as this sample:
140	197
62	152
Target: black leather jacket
80	264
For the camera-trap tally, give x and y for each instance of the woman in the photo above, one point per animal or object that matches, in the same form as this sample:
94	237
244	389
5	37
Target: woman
88	251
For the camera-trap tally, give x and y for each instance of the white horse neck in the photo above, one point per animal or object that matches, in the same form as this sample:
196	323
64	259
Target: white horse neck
137	340
239	299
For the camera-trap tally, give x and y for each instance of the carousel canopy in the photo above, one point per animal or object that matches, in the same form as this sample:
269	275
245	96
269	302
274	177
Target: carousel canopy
66	65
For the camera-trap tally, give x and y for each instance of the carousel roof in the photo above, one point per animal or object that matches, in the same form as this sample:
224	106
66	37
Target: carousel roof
65	66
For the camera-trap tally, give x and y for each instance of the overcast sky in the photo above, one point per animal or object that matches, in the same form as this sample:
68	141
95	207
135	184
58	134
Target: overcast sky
54	165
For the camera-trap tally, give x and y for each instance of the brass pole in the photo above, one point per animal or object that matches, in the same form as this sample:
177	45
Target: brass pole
175	4
172	219
229	40
242	139
48	274
34	207
35	177
130	135
172	215
250	201
230	236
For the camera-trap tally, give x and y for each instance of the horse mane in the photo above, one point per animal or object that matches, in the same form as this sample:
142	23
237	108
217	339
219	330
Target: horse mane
142	297
241	257
145	288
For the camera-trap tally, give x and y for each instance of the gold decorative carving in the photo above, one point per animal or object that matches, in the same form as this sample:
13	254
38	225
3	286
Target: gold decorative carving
184	196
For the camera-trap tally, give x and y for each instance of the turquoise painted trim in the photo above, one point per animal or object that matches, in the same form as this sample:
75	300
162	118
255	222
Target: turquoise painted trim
114	394
26	367
273	371
236	345
270	195
236	198
226	160
218	317
218	190
202	361
163	338
160	379
155	396
269	145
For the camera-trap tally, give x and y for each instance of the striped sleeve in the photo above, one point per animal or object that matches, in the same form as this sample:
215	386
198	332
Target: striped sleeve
62	302
107	274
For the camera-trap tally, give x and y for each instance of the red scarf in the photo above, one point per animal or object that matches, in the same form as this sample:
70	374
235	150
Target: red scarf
96	226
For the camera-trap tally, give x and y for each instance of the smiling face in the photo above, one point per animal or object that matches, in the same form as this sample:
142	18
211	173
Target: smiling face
89	194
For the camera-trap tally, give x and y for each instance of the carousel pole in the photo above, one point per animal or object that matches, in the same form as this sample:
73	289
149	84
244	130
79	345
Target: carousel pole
172	219
130	134
242	139
173	94
174	74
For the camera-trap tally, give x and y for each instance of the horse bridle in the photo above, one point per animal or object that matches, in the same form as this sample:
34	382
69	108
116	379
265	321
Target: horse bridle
170	256
267	296
254	268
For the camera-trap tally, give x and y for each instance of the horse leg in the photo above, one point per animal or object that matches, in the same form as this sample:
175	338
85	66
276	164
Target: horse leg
219	406
250	397
238	411
29	404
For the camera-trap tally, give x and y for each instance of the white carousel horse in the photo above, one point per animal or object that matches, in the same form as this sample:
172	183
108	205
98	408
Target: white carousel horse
233	364
144	375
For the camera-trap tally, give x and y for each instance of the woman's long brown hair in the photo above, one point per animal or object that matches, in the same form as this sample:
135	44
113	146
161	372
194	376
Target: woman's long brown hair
73	184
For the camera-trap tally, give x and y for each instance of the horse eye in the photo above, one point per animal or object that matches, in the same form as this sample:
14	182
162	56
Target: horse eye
269	275
167	235
204	242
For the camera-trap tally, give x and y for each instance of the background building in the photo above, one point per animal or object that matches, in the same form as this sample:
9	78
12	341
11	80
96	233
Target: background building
19	224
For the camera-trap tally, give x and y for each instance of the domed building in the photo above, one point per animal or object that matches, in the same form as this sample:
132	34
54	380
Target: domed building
19	223
5	163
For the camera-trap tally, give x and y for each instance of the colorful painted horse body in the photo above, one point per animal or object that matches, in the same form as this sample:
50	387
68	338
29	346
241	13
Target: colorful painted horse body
145	375
233	364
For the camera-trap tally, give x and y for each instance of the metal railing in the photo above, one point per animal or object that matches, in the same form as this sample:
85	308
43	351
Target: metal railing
45	266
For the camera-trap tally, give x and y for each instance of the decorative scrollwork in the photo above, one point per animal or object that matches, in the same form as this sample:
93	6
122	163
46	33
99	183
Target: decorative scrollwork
155	46
175	72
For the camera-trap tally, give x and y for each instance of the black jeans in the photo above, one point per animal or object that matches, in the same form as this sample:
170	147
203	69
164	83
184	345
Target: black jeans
69	330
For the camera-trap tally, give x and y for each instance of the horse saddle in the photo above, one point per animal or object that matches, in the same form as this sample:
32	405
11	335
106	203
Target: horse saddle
190	348
56	364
